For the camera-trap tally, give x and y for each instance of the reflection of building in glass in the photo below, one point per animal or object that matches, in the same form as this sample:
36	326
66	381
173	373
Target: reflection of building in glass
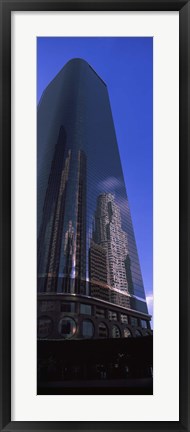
120	298
75	239
108	233
51	229
98	272
60	244
80	179
69	253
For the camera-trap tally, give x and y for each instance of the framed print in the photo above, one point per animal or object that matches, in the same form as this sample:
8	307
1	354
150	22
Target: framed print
93	268
94	215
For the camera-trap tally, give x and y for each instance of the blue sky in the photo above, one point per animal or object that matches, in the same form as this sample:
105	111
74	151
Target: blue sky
126	65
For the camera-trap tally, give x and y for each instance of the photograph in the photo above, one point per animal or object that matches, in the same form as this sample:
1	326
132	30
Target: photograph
94	215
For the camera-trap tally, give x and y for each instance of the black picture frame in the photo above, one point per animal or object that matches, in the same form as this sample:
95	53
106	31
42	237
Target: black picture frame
6	7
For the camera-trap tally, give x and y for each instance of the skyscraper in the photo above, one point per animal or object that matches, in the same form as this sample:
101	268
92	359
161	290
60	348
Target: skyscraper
88	267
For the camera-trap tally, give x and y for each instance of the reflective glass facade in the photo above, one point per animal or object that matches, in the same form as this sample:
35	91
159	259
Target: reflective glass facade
86	243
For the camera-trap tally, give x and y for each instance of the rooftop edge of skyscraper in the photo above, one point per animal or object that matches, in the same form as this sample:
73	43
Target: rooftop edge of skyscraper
76	61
